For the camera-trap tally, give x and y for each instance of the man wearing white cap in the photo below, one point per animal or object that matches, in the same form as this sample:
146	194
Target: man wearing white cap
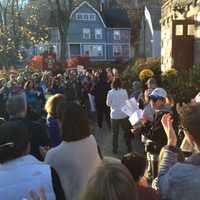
152	132
157	103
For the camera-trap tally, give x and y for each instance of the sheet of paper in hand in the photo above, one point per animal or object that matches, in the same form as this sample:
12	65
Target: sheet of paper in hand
197	98
133	104
130	107
136	117
127	110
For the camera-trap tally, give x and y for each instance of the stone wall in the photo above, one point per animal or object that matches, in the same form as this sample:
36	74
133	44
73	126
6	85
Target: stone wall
168	15
166	46
197	36
166	35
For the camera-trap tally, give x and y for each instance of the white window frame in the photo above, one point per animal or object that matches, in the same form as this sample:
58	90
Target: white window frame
91	50
117	46
118	33
86	31
92	17
179	30
85	16
101	50
98	34
79	16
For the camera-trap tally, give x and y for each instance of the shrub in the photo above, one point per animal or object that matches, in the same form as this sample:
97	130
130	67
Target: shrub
78	60
72	62
182	85
141	64
145	73
84	60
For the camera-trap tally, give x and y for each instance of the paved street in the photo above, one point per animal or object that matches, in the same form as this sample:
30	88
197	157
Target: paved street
104	139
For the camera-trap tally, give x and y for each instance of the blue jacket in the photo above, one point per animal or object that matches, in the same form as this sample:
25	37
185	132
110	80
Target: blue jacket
53	131
57	90
179	181
32	98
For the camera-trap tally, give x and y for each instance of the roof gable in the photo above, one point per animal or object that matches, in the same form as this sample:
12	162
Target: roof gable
85	3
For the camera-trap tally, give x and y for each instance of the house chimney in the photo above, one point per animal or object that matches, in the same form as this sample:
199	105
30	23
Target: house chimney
101	5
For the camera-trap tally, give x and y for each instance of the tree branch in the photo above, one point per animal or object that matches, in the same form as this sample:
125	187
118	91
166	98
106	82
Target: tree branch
51	5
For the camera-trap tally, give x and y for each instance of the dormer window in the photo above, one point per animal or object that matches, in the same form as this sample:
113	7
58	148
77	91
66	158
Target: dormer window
79	16
116	35
92	17
86	17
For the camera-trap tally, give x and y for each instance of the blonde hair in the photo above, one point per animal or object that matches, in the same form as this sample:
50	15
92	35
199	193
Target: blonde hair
53	103
112	181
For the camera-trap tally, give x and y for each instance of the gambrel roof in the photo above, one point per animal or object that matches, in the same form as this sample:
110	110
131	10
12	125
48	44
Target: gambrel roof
111	18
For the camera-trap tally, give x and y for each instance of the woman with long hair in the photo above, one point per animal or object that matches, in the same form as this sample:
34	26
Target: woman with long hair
116	99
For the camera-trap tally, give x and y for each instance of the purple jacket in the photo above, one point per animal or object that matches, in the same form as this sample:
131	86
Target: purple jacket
53	131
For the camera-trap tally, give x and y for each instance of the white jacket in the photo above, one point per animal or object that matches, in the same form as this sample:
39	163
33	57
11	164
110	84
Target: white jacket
74	162
20	176
116	99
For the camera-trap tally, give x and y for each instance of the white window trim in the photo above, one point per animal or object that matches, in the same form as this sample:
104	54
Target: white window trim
114	35
101	51
77	14
86	14
96	29
121	53
106	56
94	15
95	10
84	34
92	56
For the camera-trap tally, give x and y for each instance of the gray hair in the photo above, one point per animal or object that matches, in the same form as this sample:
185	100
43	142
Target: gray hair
17	105
111	180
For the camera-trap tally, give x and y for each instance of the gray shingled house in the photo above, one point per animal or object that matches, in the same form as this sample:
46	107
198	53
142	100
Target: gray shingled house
103	35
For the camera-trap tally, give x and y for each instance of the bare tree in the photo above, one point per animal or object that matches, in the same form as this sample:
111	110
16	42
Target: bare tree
61	11
4	6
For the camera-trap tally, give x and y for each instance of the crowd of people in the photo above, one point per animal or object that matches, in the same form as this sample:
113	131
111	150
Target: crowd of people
47	150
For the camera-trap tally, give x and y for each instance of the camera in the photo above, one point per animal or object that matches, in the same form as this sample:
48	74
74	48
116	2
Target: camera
155	134
152	147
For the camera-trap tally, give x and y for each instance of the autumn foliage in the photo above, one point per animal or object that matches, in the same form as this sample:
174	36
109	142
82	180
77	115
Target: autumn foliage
78	60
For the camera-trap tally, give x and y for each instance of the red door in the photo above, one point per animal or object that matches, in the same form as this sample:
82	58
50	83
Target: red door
183	44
